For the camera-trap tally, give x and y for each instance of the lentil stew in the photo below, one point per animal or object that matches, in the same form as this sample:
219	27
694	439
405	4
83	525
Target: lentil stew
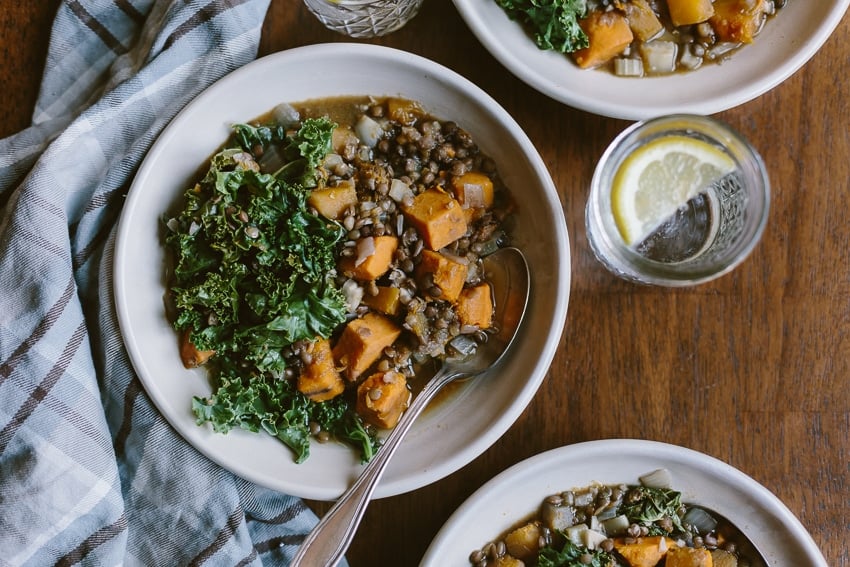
326	262
622	525
639	38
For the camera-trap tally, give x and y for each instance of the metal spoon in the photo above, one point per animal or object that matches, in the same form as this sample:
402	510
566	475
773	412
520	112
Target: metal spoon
329	540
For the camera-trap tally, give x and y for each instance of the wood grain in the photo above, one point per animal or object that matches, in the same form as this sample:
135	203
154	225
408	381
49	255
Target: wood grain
753	368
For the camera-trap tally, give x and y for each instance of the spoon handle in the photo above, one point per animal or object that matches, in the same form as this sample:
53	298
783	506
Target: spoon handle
326	544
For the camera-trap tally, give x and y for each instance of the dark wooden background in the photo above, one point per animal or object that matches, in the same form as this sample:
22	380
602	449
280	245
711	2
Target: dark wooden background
753	368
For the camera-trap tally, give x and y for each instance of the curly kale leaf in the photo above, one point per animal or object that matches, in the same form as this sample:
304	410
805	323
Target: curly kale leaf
553	23
250	137
646	506
272	405
572	555
252	275
305	151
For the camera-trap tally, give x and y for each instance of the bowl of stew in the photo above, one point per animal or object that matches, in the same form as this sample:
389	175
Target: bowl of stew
643	58
613	499
302	246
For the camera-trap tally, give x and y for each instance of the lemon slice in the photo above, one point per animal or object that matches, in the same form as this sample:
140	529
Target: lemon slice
658	178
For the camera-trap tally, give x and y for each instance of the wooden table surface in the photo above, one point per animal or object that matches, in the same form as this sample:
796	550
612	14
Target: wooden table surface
752	369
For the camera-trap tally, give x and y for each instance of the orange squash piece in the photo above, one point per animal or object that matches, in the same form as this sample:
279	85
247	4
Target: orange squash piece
387	300
446	274
644	551
475	307
332	202
382	398
404	111
473	190
737	20
189	353
319	380
687	12
362	342
608	34
689	557
341	137
642	19
376	264
438	217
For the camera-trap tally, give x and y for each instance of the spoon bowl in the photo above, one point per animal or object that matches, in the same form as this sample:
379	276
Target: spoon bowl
511	283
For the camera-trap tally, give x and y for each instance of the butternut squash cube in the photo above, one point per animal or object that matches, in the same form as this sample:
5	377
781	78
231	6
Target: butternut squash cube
446	274
361	343
332	202
473	190
387	300
737	20
341	137
404	111
642	19
689	557
438	218
475	306
687	12
375	264
507	561
608	34
189	353
382	397
523	542
319	380
645	551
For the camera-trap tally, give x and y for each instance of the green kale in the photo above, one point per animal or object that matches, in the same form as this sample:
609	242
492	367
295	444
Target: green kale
252	276
305	151
250	137
572	555
647	506
553	23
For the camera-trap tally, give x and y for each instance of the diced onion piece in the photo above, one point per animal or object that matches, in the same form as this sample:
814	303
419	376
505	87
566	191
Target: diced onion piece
365	248
660	478
616	525
701	520
628	67
688	60
368	131
398	190
333	160
464	345
659	57
286	115
455	258
721	48
353	294
473	196
592	538
574	533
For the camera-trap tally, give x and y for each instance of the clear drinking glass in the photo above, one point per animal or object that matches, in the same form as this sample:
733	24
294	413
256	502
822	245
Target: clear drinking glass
364	18
709	236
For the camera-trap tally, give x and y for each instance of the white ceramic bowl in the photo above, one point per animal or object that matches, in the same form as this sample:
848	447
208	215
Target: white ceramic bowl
785	44
516	493
445	438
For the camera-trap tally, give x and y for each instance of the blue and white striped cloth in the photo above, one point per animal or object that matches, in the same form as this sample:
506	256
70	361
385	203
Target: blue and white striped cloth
90	473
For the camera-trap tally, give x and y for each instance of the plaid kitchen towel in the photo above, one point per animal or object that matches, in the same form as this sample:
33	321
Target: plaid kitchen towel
90	473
